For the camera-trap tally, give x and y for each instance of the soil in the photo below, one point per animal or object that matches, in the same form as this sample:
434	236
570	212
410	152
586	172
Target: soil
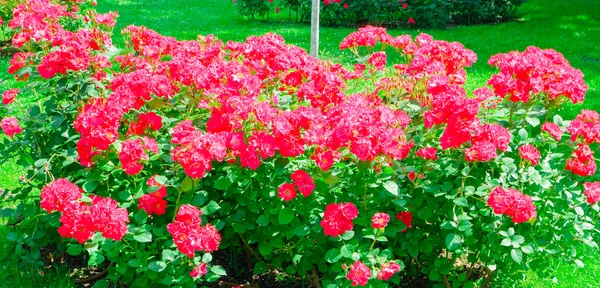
236	261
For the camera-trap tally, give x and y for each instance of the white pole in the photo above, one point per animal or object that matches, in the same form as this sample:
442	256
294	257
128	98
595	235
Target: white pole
314	29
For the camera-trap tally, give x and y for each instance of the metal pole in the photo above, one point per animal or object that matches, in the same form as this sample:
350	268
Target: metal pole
314	29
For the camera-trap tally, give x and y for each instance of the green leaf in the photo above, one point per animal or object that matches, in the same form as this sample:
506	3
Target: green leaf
391	187
162	180
222	183
533	121
302	230
558	120
265	249
143	237
333	255
95	259
141	216
218	270
135	263
207	257
168	255
286	215
464	225
260	267
579	263
90	186
157	266
187	184
516	255
198	200
348	235
506	242
40	162
74	249
587	226
347	251
523	134
210	208
452	241
527	249
461	202
263	220
12	237
101	284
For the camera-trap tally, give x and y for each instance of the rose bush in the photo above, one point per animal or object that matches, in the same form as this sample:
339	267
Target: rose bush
340	175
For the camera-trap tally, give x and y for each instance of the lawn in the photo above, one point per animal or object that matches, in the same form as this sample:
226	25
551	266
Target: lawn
570	27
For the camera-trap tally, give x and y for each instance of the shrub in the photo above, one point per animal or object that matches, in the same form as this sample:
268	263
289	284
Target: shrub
338	176
405	13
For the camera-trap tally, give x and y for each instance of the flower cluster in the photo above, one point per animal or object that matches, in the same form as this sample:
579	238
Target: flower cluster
406	217
359	274
80	219
487	139
189	236
536	71
388	270
554	130
529	153
10	126
9	95
380	220
428	153
582	161
338	218
513	203
587	125
154	203
592	191
301	181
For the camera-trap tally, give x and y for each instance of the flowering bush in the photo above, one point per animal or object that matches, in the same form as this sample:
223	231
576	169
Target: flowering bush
157	155
400	13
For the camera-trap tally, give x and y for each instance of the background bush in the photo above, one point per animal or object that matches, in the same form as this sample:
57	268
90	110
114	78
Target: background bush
352	13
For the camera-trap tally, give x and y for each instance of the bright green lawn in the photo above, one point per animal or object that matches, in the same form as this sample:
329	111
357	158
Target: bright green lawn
570	27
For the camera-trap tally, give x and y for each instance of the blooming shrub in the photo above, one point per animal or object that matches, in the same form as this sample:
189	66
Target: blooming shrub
167	152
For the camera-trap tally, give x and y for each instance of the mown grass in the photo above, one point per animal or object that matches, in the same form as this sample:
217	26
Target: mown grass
570	27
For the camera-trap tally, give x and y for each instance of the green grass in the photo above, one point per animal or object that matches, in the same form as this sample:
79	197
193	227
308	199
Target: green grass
16	274
567	274
570	27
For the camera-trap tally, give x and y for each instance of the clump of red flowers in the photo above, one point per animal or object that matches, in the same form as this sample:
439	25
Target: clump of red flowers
529	153
388	270
359	274
303	182
512	203
380	220
554	130
10	126
338	218
428	153
582	161
154	203
189	236
592	191
80	219
287	192
406	218
586	125
534	71
9	95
